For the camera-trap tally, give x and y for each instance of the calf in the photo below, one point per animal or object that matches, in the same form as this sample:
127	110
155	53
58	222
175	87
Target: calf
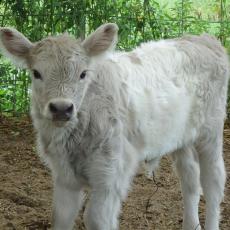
98	113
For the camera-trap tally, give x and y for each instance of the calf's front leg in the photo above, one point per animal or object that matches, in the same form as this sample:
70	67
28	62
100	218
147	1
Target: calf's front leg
103	210
110	176
67	203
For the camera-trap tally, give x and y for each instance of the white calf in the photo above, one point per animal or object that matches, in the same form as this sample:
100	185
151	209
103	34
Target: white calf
98	113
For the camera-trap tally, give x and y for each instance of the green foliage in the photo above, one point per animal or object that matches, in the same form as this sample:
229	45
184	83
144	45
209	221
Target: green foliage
138	20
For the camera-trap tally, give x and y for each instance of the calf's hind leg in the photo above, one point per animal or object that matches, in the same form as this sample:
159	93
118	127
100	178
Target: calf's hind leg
212	177
188	172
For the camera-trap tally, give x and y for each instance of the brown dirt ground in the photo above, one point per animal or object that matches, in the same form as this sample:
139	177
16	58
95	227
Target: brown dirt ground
26	188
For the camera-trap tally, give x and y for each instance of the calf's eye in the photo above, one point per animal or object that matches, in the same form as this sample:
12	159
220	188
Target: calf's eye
36	74
83	74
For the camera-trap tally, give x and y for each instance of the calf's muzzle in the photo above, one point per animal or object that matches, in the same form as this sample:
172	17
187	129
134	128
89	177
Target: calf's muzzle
61	110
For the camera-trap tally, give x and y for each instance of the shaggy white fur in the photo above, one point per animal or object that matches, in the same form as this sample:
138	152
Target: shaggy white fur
98	113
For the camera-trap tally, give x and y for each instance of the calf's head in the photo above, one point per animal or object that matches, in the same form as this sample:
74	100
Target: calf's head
60	68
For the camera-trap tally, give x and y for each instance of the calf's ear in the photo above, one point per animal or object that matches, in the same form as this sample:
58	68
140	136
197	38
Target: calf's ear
101	40
15	46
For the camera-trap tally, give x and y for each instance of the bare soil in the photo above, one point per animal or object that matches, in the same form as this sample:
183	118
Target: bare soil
26	188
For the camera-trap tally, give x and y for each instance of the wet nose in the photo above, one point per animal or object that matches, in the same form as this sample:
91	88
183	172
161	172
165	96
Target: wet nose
61	110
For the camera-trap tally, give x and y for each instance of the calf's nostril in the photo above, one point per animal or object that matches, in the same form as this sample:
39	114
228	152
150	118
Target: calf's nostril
53	108
70	109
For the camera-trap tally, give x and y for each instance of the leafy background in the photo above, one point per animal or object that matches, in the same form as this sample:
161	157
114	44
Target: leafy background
138	20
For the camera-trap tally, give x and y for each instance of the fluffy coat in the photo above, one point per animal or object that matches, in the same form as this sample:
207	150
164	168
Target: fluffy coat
163	97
